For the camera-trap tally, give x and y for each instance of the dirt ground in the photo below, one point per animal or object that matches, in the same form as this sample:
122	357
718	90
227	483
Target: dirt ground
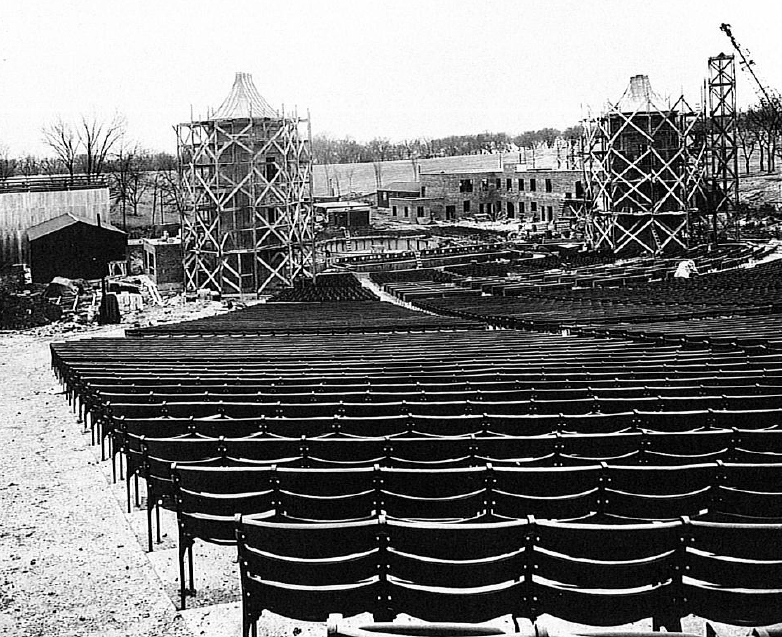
73	561
70	563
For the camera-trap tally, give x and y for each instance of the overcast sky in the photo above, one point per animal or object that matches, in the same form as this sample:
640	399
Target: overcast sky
368	68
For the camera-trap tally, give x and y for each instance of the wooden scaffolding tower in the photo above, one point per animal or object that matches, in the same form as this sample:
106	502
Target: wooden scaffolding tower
645	169
247	175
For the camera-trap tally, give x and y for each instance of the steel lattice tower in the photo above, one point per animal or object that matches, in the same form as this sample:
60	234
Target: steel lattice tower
723	193
246	172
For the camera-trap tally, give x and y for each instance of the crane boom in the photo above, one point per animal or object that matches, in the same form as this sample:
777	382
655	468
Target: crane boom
772	101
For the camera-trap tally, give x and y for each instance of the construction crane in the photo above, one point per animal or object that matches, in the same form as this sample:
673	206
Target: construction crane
768	98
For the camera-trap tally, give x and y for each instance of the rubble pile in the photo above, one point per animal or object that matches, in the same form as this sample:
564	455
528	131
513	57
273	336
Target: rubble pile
19	307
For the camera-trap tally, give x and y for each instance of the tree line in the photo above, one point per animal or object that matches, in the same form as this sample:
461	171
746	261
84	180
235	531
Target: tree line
98	150
328	150
759	130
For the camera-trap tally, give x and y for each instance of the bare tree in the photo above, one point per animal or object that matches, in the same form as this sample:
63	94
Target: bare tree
167	185
98	138
350	170
377	166
29	165
61	137
747	139
172	195
138	184
336	182
7	164
50	166
129	179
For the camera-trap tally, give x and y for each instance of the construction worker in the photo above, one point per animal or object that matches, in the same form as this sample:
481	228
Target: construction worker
685	269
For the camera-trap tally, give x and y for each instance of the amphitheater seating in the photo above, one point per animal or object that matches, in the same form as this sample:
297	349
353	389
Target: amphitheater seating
326	317
462	474
207	495
583	298
326	288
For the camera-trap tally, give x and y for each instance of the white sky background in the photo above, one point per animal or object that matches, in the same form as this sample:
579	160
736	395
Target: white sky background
401	69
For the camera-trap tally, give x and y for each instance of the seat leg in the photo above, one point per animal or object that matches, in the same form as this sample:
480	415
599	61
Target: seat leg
670	623
182	589
190	568
127	493
150	505
157	521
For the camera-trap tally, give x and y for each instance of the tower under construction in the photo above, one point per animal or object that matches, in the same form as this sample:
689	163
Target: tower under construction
645	167
246	171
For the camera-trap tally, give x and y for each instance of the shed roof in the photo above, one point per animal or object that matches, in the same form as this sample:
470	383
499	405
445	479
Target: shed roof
244	101
403	186
64	221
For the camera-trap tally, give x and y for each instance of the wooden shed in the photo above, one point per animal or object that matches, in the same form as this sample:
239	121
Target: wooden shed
74	247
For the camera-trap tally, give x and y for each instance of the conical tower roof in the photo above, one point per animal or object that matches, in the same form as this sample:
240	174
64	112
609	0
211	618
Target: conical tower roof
639	97
244	101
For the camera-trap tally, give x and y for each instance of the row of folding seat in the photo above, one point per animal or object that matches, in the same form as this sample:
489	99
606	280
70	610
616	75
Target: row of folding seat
550	449
535	434
759	382
170	360
439	394
383	346
79	373
414	409
489	383
79	378
344	316
440	361
589	574
211	492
